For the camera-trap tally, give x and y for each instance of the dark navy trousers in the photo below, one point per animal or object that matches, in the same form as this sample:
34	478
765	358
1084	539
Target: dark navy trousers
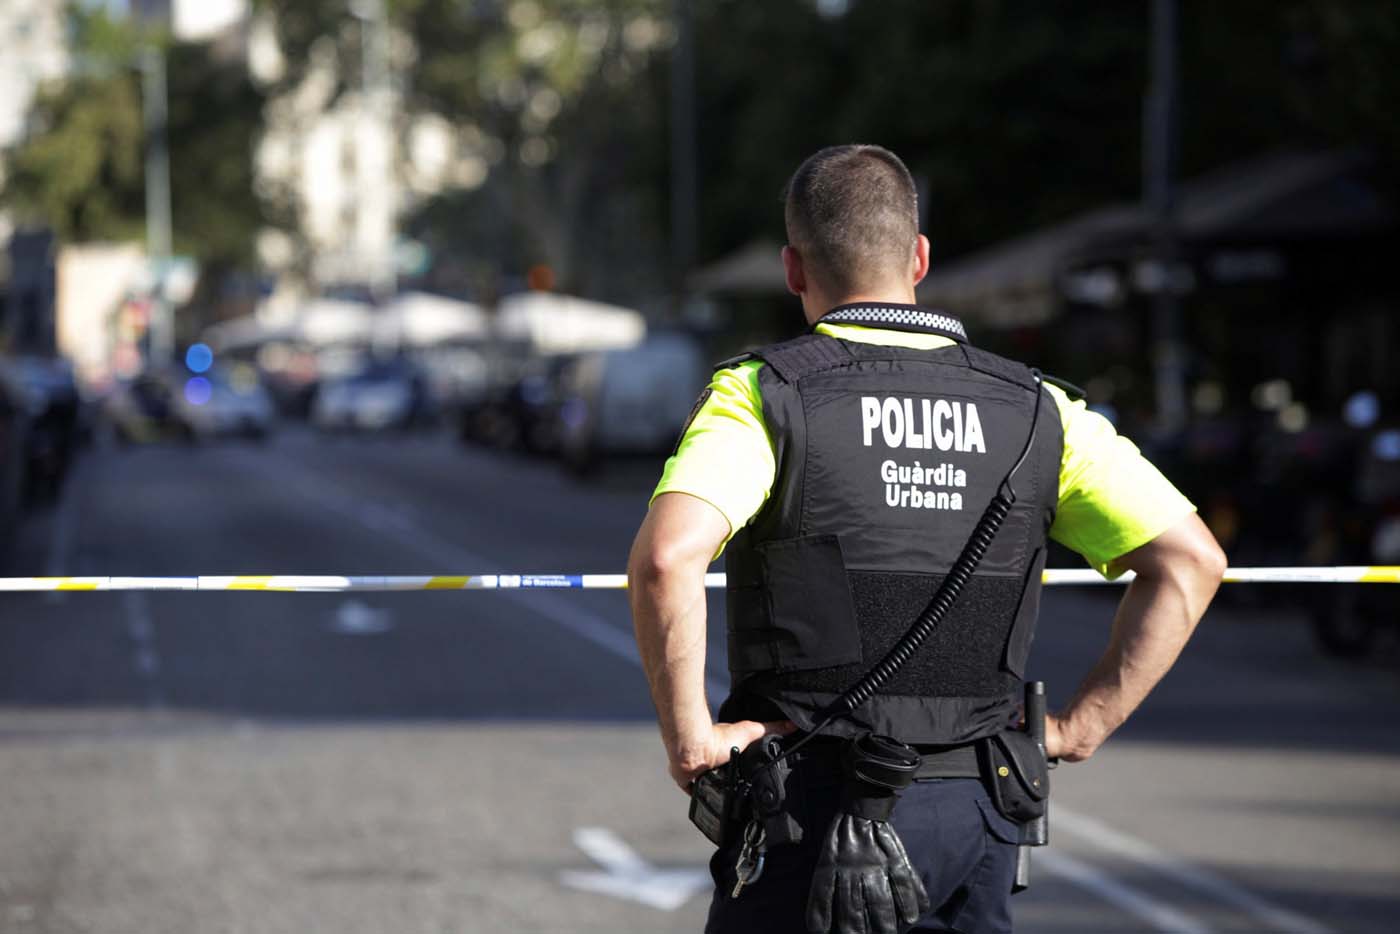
962	848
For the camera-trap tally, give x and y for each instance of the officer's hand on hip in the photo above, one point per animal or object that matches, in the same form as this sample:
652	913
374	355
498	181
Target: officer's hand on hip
713	751
1061	743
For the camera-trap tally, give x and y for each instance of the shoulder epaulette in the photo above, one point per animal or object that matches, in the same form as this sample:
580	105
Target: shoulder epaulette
985	361
1071	390
810	353
731	362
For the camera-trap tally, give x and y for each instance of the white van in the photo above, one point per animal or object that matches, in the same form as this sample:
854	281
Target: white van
632	401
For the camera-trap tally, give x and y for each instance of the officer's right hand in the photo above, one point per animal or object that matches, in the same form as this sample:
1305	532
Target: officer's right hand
1061	744
713	751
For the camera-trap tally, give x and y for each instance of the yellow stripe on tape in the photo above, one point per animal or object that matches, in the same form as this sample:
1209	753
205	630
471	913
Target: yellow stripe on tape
1380	575
446	583
250	582
76	583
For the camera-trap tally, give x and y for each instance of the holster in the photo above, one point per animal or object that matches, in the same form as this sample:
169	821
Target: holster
715	803
1016	774
751	785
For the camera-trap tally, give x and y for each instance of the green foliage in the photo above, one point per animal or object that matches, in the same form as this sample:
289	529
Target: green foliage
1016	113
81	168
80	172
1011	113
214	121
560	100
565	100
1342	59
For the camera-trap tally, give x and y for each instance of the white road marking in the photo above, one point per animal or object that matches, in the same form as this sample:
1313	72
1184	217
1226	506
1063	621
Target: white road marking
147	662
555	607
626	875
1273	917
141	629
138	626
1149	910
354	618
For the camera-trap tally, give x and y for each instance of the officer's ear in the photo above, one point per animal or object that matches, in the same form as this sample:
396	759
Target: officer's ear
921	258
793	272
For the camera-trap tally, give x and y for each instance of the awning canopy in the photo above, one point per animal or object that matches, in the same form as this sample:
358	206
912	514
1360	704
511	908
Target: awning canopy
413	319
756	269
1279	196
554	323
420	319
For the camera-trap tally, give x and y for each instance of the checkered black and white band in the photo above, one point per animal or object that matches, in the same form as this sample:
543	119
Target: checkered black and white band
897	315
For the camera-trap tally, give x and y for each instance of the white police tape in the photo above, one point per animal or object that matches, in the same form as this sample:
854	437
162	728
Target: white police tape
303	583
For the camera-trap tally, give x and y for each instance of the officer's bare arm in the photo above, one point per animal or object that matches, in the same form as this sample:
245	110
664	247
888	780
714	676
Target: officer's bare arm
1177	575
666	580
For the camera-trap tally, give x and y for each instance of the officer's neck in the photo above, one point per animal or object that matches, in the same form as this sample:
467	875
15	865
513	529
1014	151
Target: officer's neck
815	303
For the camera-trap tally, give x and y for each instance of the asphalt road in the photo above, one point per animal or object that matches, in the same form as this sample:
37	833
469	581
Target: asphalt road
462	762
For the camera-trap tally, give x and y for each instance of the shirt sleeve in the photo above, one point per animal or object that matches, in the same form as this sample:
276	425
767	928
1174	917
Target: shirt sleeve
725	457
1112	499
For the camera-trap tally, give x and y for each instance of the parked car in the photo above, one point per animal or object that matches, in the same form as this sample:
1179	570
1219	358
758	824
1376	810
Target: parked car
146	409
226	403
383	395
524	414
633	401
489	416
14	429
55	409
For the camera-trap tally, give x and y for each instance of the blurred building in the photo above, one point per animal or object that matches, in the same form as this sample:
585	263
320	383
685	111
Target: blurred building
330	152
203	20
100	318
33	35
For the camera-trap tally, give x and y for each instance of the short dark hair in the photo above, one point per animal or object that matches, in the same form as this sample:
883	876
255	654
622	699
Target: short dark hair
853	213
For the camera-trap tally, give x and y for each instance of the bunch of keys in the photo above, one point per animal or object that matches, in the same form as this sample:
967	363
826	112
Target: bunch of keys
752	854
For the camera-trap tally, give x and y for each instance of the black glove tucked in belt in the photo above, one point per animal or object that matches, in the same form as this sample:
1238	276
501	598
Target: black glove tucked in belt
864	883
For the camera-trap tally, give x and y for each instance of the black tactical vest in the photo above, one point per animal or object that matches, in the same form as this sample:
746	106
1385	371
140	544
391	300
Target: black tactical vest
886	458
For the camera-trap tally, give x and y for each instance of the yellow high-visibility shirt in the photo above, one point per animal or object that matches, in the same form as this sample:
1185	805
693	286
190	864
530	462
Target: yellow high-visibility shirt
1112	499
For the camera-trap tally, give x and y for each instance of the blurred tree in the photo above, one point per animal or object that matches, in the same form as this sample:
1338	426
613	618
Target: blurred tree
215	118
80	168
1010	113
554	109
563	101
1318	72
1013	113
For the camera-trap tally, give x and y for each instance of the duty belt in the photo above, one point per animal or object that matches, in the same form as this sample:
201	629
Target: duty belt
938	761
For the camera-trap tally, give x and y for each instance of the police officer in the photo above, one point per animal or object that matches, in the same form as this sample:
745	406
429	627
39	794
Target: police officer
844	472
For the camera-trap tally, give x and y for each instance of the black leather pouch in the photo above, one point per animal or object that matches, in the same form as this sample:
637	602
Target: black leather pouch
1016	774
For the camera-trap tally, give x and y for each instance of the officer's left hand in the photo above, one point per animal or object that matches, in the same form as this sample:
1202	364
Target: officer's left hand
713	751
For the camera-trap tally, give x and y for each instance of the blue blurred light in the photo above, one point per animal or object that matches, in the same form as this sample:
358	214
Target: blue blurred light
1362	409
198	390
199	358
1385	446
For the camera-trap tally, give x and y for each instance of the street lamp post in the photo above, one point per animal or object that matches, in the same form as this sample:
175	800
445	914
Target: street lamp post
377	191
1160	142
683	145
158	226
